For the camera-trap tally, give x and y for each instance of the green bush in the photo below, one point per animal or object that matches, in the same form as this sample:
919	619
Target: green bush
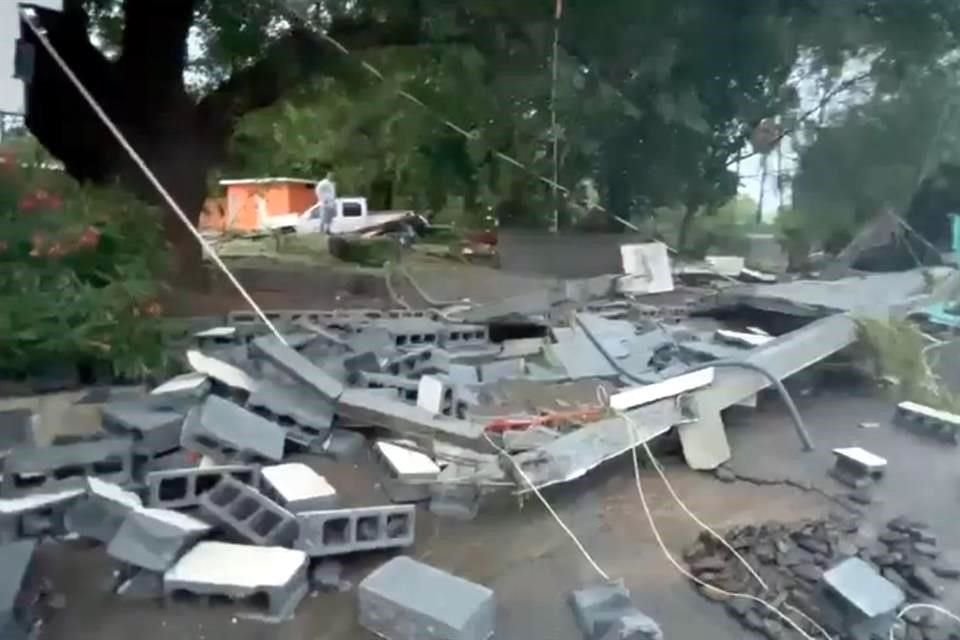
79	273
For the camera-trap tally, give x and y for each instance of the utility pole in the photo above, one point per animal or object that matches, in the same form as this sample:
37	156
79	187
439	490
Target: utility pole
555	223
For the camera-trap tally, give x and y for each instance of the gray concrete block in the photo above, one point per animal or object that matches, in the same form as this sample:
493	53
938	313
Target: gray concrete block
461	336
417	362
412	332
249	515
927	421
182	488
99	513
17	569
455	501
296	487
364	406
155	431
305	416
406	388
153	539
408	600
50	469
337	531
463	374
297	367
35	515
409	472
597	608
228	432
241	571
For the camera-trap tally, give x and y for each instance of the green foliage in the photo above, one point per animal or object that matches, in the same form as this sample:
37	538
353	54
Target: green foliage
77	276
875	155
898	351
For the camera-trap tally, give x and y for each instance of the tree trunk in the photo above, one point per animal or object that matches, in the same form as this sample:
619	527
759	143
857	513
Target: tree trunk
686	225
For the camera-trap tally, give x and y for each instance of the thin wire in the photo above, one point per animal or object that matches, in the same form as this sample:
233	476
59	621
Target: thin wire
536	492
42	38
469	135
693	516
631	430
923	605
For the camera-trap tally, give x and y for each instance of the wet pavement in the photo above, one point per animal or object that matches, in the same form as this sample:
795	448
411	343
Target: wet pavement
530	563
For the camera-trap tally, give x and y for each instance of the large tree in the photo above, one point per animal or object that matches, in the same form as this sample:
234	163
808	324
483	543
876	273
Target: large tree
655	95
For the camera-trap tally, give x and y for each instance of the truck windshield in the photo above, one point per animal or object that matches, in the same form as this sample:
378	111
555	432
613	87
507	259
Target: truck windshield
352	210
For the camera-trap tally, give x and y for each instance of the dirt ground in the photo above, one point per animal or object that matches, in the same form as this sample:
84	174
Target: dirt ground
528	560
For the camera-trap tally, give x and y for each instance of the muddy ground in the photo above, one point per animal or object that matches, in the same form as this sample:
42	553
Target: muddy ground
529	562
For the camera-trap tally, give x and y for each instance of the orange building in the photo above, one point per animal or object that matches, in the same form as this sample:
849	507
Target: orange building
250	201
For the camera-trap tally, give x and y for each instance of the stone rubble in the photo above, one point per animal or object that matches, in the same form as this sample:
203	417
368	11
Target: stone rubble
792	559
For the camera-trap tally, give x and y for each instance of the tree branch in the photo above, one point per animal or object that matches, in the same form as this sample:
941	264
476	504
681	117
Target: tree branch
827	97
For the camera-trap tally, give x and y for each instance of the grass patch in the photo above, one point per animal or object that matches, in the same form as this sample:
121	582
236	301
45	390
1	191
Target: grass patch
897	351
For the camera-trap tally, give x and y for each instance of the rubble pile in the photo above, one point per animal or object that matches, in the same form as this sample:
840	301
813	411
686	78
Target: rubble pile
213	484
792	559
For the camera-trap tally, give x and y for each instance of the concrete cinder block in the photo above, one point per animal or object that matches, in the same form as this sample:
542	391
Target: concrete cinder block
297	367
407	388
249	515
417	362
924	420
99	513
35	515
154	431
413	332
463	374
228	432
408	600
455	501
297	487
305	416
364	406
435	395
182	488
337	531
604	610
459	336
50	469
240	571
153	539
409	472
222	372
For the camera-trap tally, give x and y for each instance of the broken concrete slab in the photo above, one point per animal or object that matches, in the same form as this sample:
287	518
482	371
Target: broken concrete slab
574	454
669	388
35	515
248	514
223	372
153	539
240	571
527	439
405	599
363	406
296	487
182	488
704	442
337	531
187	385
297	367
228	432
101	511
155	431
65	466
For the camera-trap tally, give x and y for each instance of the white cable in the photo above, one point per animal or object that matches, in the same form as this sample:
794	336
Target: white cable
693	516
42	38
922	605
536	492
631	430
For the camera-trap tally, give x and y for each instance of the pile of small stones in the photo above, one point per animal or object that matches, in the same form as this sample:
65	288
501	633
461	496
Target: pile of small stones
792	557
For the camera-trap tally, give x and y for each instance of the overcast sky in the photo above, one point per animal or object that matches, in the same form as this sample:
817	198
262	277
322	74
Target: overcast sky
11	89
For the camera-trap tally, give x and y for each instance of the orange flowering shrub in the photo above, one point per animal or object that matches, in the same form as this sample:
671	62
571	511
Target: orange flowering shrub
79	273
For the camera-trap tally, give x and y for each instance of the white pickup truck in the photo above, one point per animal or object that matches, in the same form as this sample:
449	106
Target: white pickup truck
352	217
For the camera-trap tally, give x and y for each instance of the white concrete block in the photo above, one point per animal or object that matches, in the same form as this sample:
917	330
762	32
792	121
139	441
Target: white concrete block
297	487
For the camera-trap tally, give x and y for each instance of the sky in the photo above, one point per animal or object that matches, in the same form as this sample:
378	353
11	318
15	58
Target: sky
11	89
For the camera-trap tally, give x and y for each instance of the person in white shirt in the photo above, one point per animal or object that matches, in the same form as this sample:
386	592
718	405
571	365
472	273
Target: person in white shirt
326	191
